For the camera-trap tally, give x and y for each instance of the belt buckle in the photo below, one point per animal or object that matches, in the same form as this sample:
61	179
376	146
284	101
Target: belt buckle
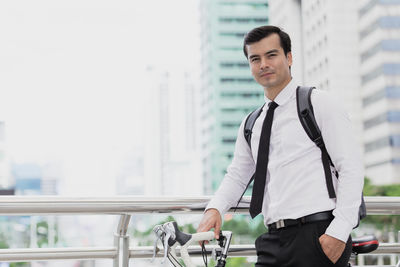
280	224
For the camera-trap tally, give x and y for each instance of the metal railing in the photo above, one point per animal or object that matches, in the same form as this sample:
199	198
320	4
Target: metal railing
128	206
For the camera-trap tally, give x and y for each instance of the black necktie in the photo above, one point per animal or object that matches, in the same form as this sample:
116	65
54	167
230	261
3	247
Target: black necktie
262	163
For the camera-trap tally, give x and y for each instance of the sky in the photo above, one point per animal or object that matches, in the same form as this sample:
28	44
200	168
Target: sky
73	76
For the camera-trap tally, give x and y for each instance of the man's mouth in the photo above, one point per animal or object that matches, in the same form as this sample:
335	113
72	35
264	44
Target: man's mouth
266	74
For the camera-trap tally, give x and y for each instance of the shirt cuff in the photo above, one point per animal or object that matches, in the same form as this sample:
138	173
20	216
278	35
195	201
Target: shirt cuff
218	205
339	229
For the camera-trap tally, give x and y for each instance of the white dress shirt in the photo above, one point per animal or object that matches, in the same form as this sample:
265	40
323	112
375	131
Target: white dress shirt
295	182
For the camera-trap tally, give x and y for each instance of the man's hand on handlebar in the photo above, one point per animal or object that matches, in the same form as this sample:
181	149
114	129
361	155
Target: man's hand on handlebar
211	219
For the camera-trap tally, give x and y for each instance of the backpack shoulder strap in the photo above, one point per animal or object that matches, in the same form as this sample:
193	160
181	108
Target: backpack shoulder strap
305	112
249	124
247	131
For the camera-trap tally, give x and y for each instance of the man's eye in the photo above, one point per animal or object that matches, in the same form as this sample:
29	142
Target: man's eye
254	59
272	55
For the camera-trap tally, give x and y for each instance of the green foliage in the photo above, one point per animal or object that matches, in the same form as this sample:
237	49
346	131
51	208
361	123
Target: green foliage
19	264
3	241
43	234
238	226
245	227
380	190
382	222
238	262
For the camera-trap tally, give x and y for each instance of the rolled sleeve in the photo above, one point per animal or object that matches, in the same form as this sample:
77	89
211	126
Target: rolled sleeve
339	229
345	152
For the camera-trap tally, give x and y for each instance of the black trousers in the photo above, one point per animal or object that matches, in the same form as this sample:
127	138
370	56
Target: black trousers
297	246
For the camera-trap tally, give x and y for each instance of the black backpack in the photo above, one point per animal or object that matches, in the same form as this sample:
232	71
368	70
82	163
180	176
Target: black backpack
306	115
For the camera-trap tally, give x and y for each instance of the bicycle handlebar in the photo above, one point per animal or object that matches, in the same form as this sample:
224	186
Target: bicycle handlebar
171	236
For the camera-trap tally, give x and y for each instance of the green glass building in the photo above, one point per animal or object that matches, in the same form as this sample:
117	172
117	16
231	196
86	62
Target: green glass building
229	92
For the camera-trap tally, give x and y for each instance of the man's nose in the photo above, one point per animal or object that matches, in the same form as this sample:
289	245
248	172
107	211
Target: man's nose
264	64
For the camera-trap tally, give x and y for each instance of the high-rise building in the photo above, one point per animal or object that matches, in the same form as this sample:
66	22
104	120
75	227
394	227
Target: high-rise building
288	16
171	161
156	127
229	92
325	48
379	23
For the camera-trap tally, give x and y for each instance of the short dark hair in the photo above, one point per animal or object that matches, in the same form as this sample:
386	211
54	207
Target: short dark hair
259	33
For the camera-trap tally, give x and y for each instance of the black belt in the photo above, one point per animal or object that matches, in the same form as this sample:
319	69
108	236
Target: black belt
316	217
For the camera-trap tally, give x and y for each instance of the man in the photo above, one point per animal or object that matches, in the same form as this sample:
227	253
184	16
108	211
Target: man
316	229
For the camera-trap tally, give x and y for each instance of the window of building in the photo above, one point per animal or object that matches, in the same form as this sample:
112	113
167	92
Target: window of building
381	118
232	34
227	64
225	80
230	125
393	116
229	110
228	140
234	64
393	91
229	20
367	7
377	96
391	45
370	52
238	80
395	140
368	30
391	68
377	144
371	75
379	163
390	22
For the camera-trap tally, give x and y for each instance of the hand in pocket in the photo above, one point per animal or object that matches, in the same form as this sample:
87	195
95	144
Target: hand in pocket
332	247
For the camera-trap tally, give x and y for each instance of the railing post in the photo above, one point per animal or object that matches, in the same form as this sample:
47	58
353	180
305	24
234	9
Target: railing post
125	251
116	245
121	241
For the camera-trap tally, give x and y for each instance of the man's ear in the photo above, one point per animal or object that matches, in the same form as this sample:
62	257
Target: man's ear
289	58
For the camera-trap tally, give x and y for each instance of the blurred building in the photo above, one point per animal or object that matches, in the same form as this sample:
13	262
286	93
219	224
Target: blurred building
156	128
5	175
352	48
52	175
35	179
28	179
325	48
229	92
130	176
171	156
379	24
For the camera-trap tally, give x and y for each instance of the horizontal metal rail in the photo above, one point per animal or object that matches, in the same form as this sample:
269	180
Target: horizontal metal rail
36	254
146	252
127	206
24	205
143	252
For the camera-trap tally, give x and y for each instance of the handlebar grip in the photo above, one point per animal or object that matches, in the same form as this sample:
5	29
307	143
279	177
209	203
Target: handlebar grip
181	237
202	236
194	238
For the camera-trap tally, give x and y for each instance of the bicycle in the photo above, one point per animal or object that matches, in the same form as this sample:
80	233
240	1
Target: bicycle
171	237
363	245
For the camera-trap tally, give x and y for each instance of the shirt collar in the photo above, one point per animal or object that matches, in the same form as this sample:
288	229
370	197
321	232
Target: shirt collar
285	95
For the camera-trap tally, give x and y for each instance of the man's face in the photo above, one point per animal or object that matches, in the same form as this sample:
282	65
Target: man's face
268	63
